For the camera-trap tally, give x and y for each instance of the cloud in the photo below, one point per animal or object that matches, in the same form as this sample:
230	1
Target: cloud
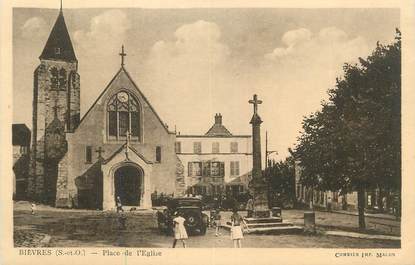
330	44
183	73
34	27
194	75
302	70
99	46
107	30
197	44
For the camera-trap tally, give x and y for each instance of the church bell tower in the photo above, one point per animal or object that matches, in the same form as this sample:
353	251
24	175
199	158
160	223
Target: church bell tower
56	110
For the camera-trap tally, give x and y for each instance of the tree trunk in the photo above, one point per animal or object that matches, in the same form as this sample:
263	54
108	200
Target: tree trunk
361	207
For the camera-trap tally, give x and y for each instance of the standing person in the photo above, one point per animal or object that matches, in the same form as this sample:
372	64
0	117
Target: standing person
119	205
217	221
33	208
250	207
236	230
179	230
329	202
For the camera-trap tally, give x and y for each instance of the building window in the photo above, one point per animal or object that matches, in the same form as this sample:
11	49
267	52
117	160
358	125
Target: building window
195	169
88	154
178	147
234	168
57	50
234	147
57	78
197	147
123	116
215	147
217	169
158	154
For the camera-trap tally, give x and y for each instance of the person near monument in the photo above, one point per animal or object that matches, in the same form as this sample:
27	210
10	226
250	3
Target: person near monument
217	222
179	230
250	207
236	229
33	208
119	205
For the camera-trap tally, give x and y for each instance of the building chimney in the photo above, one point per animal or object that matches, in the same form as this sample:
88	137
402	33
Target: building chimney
218	118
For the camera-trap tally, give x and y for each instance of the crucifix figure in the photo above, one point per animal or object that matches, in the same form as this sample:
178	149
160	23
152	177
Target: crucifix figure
55	109
127	143
255	101
122	54
100	151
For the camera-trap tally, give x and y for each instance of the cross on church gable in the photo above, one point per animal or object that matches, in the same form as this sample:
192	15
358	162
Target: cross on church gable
122	54
100	151
255	101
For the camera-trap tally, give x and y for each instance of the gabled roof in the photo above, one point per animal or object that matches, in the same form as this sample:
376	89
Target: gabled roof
59	45
218	130
123	70
122	147
20	135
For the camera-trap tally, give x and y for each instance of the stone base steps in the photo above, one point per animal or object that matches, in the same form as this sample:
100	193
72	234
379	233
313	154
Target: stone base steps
264	225
271	230
263	220
270	225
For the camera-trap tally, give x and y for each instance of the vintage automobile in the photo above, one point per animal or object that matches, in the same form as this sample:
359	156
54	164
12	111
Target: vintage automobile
190	209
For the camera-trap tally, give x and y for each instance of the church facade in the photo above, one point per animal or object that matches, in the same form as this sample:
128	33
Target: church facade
120	147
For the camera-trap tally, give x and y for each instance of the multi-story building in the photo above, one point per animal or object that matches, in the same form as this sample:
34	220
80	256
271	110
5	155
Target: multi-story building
216	162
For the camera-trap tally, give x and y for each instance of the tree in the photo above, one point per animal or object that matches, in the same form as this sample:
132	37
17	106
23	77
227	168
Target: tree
281	179
354	142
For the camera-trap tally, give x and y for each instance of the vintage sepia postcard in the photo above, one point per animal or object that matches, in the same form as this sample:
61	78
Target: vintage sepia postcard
221	132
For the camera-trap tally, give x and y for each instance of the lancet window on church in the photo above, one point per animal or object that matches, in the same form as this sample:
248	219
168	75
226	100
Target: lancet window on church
123	116
57	78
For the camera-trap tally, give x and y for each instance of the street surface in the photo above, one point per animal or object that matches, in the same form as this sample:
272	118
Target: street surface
56	225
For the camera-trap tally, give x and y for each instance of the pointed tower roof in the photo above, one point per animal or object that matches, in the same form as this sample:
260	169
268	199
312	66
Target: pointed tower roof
59	45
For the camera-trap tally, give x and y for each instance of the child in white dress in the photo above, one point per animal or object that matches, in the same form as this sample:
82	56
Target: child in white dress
236	229
179	230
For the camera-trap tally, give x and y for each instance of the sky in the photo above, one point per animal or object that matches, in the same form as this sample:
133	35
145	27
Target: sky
193	63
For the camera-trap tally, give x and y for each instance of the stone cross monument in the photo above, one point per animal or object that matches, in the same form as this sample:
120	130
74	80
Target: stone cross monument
258	185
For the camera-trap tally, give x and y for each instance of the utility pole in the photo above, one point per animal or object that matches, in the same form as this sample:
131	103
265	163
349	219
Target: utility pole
267	153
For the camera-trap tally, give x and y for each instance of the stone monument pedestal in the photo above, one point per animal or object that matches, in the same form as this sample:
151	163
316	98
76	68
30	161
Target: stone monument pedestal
263	219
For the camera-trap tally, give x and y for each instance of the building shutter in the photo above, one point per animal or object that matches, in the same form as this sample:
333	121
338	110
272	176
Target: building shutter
190	169
222	169
178	147
88	154
206	168
158	154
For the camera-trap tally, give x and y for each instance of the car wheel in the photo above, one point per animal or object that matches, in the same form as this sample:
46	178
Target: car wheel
203	230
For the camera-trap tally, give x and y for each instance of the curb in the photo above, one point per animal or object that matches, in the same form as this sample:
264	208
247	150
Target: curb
361	236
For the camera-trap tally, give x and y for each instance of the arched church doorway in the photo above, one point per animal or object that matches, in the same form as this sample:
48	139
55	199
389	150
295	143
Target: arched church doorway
128	185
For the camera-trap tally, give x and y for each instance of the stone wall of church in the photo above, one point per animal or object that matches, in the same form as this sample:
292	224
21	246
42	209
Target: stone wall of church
92	133
62	192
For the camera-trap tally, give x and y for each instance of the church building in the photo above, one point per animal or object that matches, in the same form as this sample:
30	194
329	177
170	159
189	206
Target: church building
120	147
